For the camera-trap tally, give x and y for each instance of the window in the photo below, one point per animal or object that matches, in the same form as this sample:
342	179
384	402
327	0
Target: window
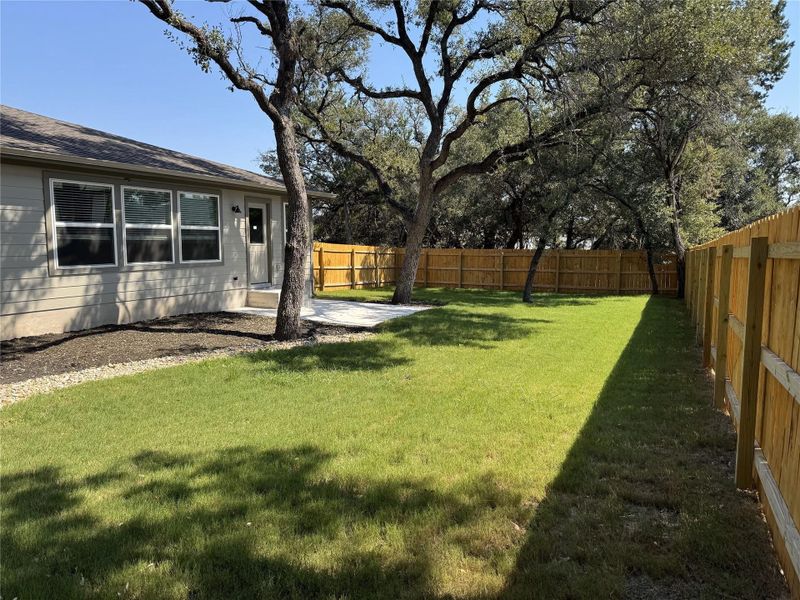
200	229
148	225
84	224
255	218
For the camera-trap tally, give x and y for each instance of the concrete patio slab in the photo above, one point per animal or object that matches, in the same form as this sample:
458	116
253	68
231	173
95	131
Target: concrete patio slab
344	312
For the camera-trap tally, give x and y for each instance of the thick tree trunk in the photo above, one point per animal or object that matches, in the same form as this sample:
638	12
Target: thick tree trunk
527	292
570	241
677	238
298	244
648	246
416	236
517	228
651	270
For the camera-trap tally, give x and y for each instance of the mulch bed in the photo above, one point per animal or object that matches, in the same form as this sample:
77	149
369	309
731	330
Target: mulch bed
39	356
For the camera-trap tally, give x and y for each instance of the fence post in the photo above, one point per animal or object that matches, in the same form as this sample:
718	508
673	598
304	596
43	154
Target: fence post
751	361
619	272
377	270
697	299
695	259
502	269
708	309
395	255
558	268
321	268
724	294
693	287
702	275
687	292
460	267
427	260
352	268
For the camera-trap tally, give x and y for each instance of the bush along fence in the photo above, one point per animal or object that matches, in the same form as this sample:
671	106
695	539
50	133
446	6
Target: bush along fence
339	266
742	293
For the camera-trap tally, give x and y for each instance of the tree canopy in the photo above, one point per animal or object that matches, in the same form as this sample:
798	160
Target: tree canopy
595	124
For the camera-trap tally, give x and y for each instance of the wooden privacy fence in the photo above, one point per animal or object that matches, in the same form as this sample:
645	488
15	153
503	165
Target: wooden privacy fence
742	292
601	271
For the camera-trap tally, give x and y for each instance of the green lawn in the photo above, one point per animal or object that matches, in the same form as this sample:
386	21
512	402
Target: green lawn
483	449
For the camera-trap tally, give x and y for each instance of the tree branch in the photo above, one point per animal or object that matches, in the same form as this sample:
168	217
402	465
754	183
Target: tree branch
206	48
357	83
250	19
362	23
383	186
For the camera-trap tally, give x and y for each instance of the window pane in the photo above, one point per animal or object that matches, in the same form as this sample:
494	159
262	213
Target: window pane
199	209
148	245
147	207
256	222
82	246
199	244
83	202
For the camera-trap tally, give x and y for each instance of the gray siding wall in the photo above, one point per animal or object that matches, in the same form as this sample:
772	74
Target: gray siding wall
33	302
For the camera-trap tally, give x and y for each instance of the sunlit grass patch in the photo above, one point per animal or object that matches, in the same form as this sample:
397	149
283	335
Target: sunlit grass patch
484	448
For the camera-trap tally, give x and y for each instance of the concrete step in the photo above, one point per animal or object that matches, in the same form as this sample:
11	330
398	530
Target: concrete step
263	298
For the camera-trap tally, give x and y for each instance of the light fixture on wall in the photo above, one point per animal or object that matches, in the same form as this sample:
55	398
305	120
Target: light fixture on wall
236	210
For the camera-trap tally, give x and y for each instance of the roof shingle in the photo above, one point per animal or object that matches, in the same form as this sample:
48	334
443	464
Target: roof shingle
25	131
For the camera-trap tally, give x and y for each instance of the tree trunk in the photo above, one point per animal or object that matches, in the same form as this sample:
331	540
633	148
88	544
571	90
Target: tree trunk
675	230
651	270
515	218
416	236
648	246
570	242
348	229
298	243
527	292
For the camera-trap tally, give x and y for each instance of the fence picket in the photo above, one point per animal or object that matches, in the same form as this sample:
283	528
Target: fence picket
757	364
723	308
601	271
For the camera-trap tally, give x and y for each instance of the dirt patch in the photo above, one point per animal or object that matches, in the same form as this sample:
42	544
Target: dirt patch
40	356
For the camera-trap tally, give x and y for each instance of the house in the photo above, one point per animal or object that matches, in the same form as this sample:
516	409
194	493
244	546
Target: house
100	229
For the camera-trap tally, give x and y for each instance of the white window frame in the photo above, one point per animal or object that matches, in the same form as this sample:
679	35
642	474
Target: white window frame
125	225
57	224
218	228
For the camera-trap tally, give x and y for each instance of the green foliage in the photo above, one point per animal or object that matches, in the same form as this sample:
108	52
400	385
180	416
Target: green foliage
692	132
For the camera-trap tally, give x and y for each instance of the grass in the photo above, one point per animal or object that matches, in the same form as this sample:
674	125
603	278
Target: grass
483	449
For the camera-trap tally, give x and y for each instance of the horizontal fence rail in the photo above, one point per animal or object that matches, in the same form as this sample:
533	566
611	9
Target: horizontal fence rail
742	293
600	271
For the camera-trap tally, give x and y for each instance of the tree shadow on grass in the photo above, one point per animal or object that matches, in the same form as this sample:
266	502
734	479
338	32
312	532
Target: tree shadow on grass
645	505
497	298
467	297
240	523
364	355
450	326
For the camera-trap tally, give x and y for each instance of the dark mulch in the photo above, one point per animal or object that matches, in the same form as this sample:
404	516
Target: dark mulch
37	356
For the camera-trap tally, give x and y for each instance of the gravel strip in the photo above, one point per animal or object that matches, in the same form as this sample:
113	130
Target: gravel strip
14	392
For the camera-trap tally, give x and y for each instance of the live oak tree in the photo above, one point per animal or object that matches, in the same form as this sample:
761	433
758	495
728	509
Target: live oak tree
546	185
702	62
761	167
274	90
467	59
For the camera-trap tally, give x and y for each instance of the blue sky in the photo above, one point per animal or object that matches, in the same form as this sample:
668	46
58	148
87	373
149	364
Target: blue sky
107	65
